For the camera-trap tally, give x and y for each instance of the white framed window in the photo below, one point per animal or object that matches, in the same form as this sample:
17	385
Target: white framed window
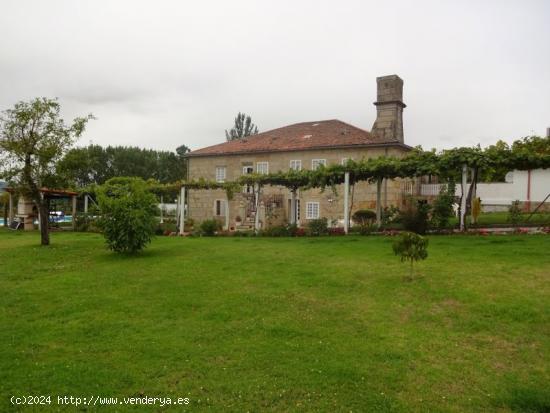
312	210
262	167
296	164
220	173
344	161
315	163
219	207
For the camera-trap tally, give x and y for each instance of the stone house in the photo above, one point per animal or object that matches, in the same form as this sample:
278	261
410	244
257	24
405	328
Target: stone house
300	146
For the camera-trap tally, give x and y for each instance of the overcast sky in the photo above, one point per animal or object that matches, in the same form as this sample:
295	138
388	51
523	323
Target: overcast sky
159	74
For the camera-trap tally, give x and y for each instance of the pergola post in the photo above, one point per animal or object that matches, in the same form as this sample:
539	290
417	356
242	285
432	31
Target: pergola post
346	202
379	202
10	212
73	212
257	205
463	198
227	214
293	207
182	210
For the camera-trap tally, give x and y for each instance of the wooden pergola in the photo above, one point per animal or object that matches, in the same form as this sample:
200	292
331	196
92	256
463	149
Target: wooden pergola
47	193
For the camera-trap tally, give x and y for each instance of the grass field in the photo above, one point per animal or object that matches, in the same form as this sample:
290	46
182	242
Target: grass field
501	218
239	324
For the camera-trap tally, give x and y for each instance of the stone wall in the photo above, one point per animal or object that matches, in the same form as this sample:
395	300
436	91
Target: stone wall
331	204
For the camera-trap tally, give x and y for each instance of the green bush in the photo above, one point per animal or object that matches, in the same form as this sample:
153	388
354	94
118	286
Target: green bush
442	208
128	214
514	213
364	217
415	216
317	227
209	227
390	216
166	228
85	223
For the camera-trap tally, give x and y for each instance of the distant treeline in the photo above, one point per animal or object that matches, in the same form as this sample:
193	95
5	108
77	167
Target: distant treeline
95	164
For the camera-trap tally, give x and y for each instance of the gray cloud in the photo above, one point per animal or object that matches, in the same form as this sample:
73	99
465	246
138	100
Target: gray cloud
159	74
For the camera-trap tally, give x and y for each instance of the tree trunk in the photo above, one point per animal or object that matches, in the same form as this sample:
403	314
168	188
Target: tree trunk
6	215
471	191
43	217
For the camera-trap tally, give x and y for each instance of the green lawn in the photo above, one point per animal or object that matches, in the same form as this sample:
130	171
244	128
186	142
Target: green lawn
501	218
243	324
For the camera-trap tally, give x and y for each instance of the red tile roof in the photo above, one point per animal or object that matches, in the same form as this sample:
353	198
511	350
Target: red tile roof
300	136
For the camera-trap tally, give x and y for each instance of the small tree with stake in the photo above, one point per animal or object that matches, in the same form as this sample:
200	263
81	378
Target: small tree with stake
33	138
411	247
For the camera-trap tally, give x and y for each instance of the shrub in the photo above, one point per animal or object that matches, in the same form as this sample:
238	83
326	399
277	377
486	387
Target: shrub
364	217
300	232
411	247
415	216
390	215
336	231
85	223
514	213
128	212
316	227
442	209
276	231
209	227
166	228
189	224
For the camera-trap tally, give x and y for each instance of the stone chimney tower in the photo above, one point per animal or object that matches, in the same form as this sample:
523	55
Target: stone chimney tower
389	109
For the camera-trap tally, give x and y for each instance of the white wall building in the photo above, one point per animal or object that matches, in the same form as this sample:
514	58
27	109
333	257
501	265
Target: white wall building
529	187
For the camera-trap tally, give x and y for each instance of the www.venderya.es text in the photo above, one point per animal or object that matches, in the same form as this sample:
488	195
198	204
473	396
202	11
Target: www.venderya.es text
94	400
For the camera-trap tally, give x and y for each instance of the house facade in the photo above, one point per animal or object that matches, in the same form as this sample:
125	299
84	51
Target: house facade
306	145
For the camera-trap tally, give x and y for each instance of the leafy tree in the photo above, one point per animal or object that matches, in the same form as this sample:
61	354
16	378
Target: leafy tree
33	138
411	247
442	207
182	150
128	214
95	164
533	144
243	127
85	166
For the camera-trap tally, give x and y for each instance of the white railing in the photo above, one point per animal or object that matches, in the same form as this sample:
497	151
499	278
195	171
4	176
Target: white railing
407	187
430	189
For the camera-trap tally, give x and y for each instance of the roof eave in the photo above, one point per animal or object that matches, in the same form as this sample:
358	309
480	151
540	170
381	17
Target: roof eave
313	148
